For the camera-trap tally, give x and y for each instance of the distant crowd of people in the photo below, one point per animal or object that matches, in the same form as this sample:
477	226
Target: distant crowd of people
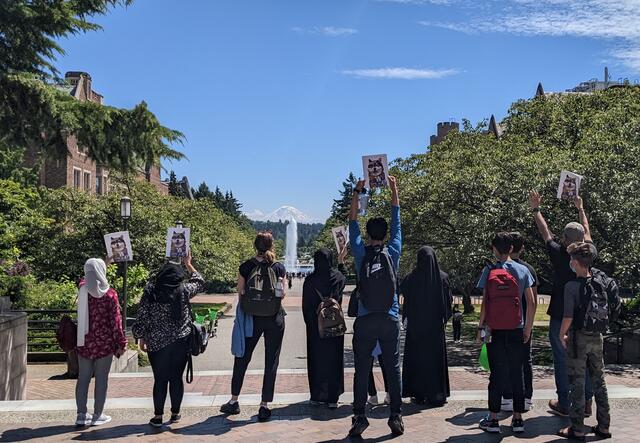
583	301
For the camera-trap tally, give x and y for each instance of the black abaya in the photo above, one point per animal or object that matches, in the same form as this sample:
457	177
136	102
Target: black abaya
325	359
425	374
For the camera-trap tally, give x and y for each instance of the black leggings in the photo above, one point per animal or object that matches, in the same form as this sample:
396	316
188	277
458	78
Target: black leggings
168	366
273	330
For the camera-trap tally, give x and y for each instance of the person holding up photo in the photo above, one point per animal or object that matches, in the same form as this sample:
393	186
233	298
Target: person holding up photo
573	232
377	319
163	327
100	337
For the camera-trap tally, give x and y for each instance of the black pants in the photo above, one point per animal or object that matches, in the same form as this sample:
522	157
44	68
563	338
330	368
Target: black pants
527	370
372	381
273	330
168	366
366	331
505	360
457	330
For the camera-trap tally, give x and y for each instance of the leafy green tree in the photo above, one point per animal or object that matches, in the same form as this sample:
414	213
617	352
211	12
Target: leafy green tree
472	185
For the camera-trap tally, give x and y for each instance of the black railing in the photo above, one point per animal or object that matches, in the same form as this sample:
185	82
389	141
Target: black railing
42	326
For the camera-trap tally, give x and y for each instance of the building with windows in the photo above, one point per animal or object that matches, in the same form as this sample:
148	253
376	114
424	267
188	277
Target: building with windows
77	170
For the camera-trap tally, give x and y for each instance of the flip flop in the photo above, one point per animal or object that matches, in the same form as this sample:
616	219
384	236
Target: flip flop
571	435
596	430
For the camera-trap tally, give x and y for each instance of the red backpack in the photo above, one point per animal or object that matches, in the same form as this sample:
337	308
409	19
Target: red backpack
503	310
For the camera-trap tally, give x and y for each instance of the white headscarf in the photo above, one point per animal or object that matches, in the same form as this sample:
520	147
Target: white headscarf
95	284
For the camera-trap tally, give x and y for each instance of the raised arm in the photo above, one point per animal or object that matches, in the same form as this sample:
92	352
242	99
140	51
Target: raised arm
393	184
195	284
353	212
534	201
584	221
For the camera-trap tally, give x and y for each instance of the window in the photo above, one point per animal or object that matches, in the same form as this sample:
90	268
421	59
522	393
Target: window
99	190
76	178
87	181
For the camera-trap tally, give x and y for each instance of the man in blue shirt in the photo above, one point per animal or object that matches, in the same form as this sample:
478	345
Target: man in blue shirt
376	327
505	349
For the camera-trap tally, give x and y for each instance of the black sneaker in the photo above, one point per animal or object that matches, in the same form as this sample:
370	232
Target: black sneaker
264	413
156	422
517	425
359	424
175	418
489	425
396	424
230	408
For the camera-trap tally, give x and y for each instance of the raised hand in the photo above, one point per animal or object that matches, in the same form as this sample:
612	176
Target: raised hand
393	183
579	203
534	199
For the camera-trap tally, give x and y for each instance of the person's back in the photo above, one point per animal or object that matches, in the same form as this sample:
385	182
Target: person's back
590	300
378	308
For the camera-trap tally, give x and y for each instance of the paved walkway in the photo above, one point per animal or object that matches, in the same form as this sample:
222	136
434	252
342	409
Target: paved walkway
456	422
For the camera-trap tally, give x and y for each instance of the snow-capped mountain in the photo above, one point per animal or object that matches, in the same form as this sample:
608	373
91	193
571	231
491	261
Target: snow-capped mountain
282	213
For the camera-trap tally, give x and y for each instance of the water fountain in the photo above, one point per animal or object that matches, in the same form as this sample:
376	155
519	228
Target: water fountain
291	246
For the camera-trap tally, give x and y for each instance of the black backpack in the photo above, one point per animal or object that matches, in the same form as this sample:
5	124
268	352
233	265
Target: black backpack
377	280
259	296
599	305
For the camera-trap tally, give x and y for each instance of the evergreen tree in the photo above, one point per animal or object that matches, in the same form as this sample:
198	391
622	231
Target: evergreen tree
174	188
341	206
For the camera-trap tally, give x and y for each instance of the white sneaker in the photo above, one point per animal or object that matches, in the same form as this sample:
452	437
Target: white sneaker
528	404
83	419
507	405
373	400
102	420
387	399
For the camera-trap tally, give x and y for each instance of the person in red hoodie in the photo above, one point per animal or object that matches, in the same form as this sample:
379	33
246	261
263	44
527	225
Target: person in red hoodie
100	337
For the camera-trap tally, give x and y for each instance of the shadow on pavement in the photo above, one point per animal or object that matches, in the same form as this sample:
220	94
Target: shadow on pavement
120	431
534	427
23	434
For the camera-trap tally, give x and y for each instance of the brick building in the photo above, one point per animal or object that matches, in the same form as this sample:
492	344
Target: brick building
77	170
443	130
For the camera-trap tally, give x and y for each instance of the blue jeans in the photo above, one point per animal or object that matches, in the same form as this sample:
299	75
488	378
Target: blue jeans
560	367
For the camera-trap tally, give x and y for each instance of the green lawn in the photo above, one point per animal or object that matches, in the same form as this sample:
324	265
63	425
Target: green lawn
541	314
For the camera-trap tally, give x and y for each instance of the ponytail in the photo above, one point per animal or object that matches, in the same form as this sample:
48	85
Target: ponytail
264	245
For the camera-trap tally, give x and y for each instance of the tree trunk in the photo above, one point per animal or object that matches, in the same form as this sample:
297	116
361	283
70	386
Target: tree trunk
466	299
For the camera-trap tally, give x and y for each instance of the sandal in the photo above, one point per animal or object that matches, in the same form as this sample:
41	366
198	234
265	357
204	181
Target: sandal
571	435
596	430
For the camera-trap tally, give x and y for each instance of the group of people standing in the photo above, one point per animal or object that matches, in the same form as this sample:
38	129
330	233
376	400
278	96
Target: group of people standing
509	304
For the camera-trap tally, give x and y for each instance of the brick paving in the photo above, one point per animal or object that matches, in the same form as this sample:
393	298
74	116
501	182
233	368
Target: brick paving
122	387
455	422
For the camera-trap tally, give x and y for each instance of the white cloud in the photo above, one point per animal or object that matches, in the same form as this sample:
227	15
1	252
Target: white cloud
401	73
329	31
616	21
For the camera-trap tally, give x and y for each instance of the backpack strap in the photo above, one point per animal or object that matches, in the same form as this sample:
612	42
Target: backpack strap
189	375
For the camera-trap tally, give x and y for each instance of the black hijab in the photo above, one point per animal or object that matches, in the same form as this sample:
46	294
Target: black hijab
423	288
326	279
168	287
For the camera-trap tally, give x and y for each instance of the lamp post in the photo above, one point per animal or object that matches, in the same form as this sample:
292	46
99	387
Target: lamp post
125	214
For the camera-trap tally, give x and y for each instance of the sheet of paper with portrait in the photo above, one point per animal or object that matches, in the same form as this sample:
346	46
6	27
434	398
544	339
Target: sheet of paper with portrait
178	242
341	237
569	186
376	171
118	246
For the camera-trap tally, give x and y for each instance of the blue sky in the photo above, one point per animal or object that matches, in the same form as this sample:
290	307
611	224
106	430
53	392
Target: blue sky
280	99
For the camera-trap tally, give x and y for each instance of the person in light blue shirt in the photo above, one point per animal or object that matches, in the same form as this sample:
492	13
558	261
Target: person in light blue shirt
371	328
505	349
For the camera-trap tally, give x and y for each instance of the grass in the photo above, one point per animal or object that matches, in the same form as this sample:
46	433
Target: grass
541	314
